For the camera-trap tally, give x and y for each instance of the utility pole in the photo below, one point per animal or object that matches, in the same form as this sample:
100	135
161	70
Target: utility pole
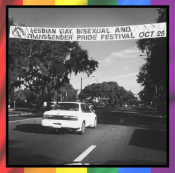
81	85
156	95
81	90
57	95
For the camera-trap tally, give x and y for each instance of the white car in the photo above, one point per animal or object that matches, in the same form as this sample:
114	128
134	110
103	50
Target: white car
70	115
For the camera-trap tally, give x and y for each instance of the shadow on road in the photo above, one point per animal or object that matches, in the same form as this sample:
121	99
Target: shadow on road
133	123
37	128
13	142
127	119
153	134
21	157
151	139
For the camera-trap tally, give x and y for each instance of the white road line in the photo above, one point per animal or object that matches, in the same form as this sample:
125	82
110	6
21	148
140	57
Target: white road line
84	154
13	115
23	120
121	121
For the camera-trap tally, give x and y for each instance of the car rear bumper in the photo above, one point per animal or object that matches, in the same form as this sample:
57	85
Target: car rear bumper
60	124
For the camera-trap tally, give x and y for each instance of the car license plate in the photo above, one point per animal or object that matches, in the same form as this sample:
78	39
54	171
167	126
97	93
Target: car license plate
56	125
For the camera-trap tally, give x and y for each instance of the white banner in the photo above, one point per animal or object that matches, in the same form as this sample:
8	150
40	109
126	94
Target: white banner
90	34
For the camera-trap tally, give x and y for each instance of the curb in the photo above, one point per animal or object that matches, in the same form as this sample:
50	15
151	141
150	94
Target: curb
126	112
25	113
18	114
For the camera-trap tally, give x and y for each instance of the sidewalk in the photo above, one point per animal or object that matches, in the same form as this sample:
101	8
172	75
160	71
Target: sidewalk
17	113
25	111
137	109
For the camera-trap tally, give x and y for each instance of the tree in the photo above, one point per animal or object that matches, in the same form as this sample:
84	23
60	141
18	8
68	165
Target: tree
153	74
46	65
111	91
108	92
19	97
14	63
25	97
67	92
31	97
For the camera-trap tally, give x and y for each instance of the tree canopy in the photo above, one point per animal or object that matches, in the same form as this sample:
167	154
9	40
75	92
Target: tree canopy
153	74
109	92
66	93
45	65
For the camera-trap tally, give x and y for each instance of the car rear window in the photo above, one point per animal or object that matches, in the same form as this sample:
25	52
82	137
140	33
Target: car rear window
67	106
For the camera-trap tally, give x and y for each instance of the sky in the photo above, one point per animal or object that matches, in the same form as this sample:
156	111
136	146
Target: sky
119	61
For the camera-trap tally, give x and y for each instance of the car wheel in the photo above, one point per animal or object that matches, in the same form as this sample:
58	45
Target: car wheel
82	128
95	123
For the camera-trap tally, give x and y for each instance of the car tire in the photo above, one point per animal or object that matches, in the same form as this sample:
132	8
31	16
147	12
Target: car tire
95	123
82	130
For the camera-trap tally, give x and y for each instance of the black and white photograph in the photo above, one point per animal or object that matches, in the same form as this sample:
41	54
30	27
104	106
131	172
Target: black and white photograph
87	86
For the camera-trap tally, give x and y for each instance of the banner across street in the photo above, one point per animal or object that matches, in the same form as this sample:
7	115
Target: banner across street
90	34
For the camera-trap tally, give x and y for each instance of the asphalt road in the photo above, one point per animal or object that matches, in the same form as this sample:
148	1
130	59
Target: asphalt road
121	138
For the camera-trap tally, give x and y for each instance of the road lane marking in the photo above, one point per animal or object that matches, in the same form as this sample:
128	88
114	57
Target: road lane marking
121	121
84	154
23	120
13	115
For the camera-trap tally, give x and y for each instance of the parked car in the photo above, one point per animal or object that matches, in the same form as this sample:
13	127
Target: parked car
52	104
69	115
91	106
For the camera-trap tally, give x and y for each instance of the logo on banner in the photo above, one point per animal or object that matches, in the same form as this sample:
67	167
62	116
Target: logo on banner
18	32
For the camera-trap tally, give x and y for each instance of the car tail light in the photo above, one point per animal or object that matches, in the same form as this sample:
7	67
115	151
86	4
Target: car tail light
45	116
68	117
61	117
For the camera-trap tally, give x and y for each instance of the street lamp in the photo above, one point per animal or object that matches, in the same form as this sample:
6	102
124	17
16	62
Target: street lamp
83	79
156	89
81	83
